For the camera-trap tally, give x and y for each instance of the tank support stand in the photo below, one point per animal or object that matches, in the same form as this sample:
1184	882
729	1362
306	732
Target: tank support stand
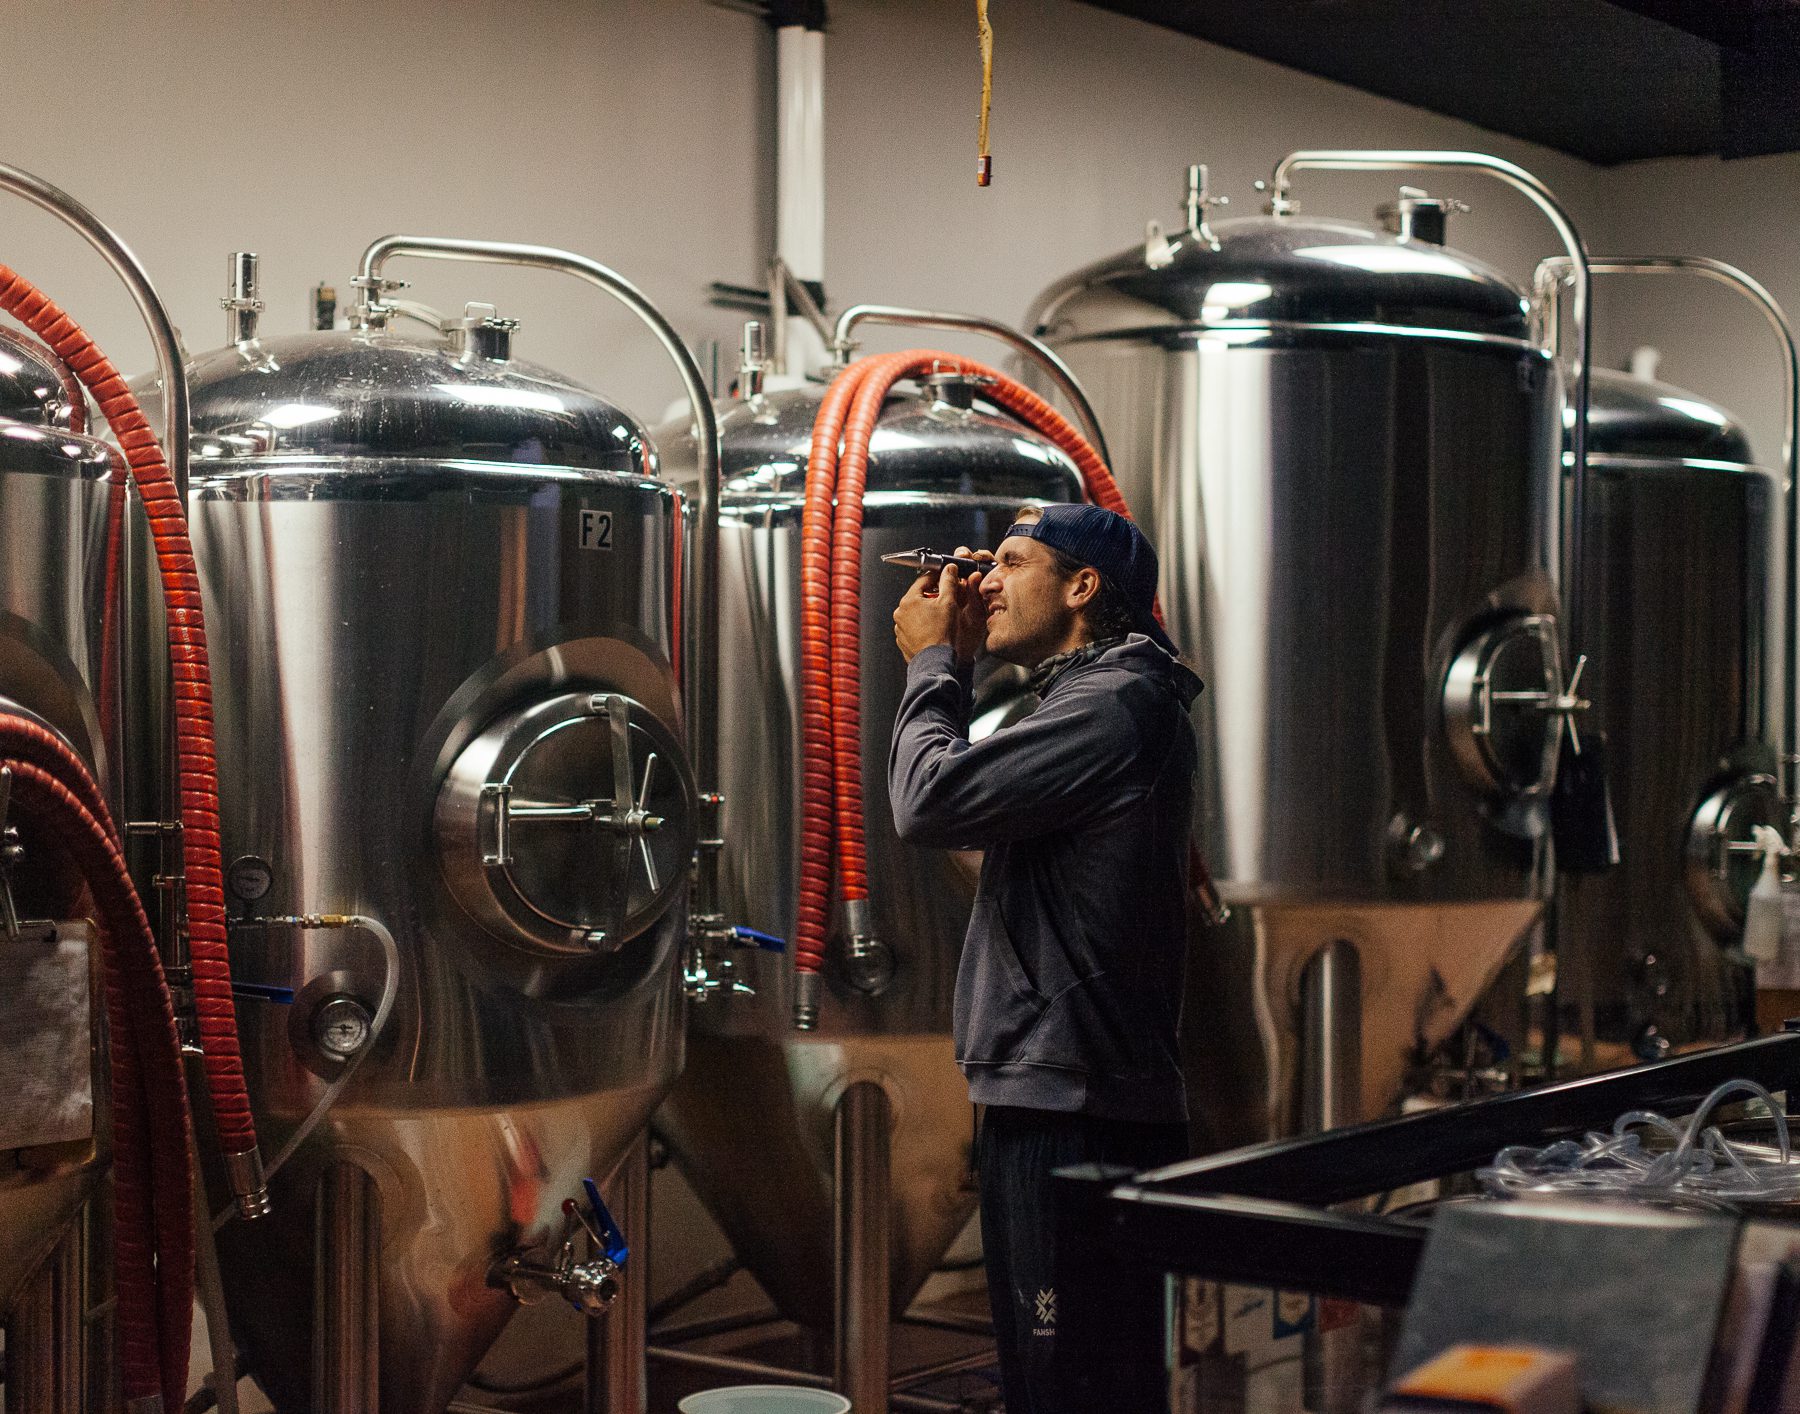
1331	1038
45	1368
616	1381
863	1222
346	1292
1330	1098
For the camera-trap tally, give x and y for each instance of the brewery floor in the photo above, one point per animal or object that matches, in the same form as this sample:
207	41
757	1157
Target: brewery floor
955	1369
966	1380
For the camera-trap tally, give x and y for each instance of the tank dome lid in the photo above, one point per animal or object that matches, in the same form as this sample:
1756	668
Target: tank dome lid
1635	417
1264	271
396	394
923	443
35	387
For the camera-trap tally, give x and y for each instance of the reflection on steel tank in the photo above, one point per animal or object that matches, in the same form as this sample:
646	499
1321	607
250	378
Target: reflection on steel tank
1343	441
751	1119
457	803
60	505
1685	622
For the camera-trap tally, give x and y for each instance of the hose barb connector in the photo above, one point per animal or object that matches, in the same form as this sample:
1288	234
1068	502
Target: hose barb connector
806	1001
870	962
249	1189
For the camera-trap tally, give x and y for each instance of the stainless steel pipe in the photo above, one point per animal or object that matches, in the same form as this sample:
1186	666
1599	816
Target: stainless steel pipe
165	342
164	338
1040	353
346	1292
863	1208
785	285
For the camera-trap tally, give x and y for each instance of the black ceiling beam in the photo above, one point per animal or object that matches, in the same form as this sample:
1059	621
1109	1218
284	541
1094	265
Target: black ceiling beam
1606	80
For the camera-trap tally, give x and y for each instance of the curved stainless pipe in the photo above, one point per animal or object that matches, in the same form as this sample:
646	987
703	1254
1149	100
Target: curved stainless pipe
783	281
1039	353
701	661
1355	160
164	337
165	340
1555	270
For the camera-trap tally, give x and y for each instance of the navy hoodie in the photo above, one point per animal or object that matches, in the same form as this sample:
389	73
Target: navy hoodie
1069	991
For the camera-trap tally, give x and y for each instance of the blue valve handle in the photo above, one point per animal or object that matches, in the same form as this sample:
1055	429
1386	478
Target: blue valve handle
768	942
612	1241
264	991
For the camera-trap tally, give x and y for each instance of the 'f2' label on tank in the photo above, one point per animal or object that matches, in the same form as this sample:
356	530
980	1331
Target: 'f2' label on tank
596	530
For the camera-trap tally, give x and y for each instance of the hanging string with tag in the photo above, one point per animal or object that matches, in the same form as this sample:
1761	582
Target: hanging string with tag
984	162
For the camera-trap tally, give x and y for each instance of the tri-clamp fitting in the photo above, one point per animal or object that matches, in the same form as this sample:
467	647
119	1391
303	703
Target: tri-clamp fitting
589	1285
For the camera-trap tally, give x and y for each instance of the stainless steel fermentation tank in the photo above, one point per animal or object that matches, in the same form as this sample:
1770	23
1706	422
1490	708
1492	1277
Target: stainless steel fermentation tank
61	504
1685	621
63	496
762	1112
1686	587
1344	442
441	587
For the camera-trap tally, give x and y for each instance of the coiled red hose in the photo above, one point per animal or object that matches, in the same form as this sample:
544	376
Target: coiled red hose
831	610
53	793
199	803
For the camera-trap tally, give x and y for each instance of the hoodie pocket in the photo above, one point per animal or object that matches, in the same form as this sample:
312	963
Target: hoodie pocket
998	1007
1086	1027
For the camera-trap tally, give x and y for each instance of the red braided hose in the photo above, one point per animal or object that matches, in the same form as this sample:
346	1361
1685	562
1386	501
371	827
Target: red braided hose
877	381
816	815
199	805
831	591
153	1194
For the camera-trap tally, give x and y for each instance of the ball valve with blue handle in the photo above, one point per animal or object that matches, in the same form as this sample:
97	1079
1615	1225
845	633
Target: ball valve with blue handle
590	1285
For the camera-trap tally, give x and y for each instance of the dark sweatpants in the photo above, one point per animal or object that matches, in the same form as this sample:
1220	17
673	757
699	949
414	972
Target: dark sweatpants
1047	1369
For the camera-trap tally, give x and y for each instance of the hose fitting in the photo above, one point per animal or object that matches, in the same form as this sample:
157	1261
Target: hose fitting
870	962
806	1001
250	1190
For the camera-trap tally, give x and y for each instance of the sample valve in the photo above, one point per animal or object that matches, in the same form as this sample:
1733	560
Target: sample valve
590	1285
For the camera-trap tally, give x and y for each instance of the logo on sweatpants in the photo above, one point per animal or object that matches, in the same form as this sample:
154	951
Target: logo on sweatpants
1046	1312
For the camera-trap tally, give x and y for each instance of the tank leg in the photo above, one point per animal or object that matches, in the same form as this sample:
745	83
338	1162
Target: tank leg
1331	1097
863	1244
45	1371
104	1390
346	1303
616	1382
1331	1038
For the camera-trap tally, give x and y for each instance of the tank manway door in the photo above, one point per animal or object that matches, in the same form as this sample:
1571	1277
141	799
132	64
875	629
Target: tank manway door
1503	707
1722	858
568	825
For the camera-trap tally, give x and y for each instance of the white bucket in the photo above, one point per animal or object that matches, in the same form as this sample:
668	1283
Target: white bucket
765	1399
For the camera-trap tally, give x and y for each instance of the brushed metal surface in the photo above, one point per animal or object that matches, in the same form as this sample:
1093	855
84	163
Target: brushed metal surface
1686	628
398	549
59	667
1345	448
750	1119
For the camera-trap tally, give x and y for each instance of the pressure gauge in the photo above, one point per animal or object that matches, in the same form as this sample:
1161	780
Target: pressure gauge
340	1026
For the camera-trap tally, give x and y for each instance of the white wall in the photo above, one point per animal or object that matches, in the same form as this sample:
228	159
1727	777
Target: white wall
638	131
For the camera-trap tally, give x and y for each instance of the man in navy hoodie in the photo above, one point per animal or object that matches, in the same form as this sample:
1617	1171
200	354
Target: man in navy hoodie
1069	990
